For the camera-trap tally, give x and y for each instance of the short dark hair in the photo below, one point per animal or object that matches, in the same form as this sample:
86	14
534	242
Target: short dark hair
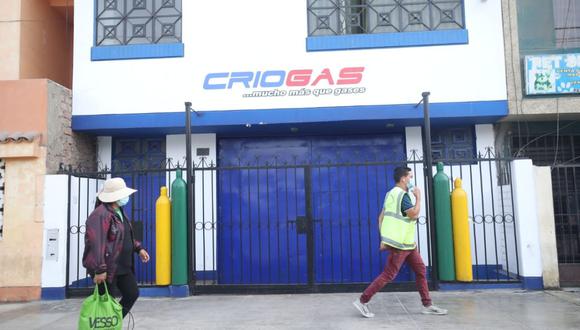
401	172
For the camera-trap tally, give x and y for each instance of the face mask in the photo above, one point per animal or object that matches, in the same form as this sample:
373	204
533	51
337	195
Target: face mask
410	185
122	202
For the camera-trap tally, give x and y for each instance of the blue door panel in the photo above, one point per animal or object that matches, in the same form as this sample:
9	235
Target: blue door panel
347	200
259	242
258	209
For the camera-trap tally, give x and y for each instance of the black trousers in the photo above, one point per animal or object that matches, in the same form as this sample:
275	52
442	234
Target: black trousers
127	286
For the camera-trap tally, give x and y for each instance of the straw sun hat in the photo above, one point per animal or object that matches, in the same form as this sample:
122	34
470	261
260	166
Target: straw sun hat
113	190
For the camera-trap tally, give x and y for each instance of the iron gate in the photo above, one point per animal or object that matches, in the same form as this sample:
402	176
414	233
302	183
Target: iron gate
302	227
83	187
566	190
561	151
303	224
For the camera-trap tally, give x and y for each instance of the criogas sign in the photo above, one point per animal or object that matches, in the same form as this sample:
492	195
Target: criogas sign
298	82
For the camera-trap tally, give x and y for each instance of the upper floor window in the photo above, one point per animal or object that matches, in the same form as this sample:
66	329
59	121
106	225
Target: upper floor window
546	26
137	29
567	23
346	17
131	22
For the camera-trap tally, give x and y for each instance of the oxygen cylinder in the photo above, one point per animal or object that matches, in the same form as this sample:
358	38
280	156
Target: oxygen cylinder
463	267
179	230
445	261
163	238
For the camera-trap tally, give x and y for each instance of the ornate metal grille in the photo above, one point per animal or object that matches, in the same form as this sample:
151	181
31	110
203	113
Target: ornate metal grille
453	143
338	17
128	22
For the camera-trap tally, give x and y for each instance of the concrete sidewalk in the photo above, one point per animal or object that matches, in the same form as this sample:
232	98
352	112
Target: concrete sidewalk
500	309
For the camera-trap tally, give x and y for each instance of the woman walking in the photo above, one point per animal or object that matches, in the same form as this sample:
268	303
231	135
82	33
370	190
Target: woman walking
110	243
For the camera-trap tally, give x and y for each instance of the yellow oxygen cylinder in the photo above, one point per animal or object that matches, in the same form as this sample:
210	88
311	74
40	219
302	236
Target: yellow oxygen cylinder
461	242
163	239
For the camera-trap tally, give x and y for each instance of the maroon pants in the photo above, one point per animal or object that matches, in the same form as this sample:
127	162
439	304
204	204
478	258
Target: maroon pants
394	262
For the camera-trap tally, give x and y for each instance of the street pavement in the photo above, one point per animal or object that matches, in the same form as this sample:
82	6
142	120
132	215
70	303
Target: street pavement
486	309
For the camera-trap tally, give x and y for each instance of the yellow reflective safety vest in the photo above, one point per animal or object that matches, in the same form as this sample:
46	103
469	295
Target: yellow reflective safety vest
397	230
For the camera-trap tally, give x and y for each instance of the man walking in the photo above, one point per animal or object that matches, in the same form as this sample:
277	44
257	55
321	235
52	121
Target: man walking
397	225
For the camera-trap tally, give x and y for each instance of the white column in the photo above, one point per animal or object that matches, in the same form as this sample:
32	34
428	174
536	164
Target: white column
414	148
414	141
484	138
205	192
547	225
527	228
54	256
104	152
175	149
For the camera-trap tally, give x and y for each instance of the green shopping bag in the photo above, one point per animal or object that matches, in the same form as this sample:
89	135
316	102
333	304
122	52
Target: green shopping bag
101	312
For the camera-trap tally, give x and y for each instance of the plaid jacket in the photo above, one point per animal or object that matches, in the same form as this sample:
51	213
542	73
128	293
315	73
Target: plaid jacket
104	241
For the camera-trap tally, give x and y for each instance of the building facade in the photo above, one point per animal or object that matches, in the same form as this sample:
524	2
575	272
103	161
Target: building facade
35	134
543	65
238	82
278	84
318	68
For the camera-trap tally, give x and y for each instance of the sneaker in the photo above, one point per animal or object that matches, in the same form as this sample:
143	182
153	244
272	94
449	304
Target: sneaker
363	308
434	310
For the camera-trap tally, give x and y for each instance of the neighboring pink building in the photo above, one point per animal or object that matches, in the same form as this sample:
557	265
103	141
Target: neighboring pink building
35	133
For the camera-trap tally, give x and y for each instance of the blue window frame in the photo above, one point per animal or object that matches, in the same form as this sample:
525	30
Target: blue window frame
359	24
133	29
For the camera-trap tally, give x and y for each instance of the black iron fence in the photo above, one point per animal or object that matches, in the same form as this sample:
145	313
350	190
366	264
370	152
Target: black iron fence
83	187
487	180
566	190
561	151
294	224
276	225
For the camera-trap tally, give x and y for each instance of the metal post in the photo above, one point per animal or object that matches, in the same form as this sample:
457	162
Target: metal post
189	181
309	224
68	209
427	156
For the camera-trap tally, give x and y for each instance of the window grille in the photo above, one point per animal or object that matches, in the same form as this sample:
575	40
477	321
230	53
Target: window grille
453	143
343	17
130	22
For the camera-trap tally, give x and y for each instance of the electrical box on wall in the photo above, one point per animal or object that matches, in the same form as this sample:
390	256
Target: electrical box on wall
52	244
202	152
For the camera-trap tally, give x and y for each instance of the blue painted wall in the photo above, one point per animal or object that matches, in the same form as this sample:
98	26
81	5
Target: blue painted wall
268	122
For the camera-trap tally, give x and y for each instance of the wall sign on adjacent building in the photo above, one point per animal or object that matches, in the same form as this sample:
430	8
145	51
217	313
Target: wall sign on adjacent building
552	74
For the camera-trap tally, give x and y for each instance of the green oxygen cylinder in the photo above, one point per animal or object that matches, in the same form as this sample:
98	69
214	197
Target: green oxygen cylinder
443	225
179	230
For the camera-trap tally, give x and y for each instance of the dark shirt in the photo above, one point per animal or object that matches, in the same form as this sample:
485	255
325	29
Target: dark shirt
125	261
103	243
406	204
